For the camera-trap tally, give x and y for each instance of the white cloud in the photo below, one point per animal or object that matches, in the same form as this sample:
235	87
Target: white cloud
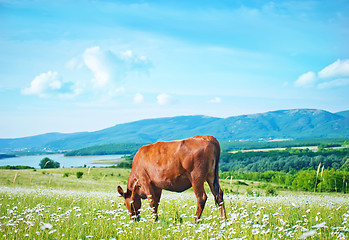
334	83
215	100
138	98
109	68
128	54
339	68
49	84
43	84
164	99
334	75
100	65
306	80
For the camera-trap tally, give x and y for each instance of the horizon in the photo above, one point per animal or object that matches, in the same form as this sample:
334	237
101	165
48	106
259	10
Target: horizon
84	66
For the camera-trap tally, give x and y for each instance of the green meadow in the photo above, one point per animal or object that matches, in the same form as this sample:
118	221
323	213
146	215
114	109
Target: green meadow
55	204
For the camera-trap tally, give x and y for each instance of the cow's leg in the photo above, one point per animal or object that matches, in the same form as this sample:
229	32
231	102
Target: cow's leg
154	199
153	194
201	197
218	194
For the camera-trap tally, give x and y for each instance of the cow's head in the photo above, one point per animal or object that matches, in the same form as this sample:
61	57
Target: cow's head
132	200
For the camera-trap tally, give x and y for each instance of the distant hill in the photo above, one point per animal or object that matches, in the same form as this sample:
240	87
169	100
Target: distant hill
344	114
37	142
282	124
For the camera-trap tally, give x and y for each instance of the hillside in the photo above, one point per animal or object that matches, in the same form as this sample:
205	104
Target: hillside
37	142
344	114
283	124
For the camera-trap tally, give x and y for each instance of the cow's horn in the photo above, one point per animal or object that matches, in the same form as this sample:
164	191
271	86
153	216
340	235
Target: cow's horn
136	186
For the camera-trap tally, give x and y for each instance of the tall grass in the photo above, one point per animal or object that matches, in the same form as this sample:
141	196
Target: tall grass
61	214
317	174
85	211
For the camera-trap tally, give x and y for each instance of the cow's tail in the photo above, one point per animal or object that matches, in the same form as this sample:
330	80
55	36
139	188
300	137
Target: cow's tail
217	190
218	193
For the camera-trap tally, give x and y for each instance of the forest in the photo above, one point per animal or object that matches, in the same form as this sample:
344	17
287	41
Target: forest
246	145
326	170
3	155
107	149
287	160
322	180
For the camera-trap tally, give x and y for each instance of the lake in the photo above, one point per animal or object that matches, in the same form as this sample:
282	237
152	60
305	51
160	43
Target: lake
34	160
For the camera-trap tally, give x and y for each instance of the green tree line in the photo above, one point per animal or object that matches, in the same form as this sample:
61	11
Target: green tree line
3	155
19	167
107	149
245	145
325	180
287	160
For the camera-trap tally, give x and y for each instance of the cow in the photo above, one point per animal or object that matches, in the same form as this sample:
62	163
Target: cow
174	166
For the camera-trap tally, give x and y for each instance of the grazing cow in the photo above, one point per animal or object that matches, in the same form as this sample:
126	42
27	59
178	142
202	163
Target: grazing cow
174	166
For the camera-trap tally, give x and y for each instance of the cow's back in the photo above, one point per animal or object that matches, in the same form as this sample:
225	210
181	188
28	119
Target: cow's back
172	152
168	165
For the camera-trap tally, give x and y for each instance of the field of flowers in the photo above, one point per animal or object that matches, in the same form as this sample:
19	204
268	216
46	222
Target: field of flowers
37	212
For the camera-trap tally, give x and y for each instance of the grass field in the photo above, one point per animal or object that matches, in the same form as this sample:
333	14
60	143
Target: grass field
54	204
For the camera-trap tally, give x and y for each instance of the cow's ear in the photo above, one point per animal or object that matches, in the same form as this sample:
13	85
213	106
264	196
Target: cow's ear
121	192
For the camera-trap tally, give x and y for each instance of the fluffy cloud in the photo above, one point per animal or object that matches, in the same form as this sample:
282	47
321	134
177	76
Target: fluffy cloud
138	98
215	100
102	65
108	67
44	84
164	99
333	75
49	84
306	80
108	71
339	68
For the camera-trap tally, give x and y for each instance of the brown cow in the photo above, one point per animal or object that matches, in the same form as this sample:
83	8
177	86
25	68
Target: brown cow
174	166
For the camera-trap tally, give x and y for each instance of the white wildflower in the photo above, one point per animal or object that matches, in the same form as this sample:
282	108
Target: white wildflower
320	225
307	234
234	216
257	213
341	236
223	225
255	231
45	226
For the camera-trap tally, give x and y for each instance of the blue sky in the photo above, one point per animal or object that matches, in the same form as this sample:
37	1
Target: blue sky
68	66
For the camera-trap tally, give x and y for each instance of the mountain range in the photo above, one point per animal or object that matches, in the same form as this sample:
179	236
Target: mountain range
282	124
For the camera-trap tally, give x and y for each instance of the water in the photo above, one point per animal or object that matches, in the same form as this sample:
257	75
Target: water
34	160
